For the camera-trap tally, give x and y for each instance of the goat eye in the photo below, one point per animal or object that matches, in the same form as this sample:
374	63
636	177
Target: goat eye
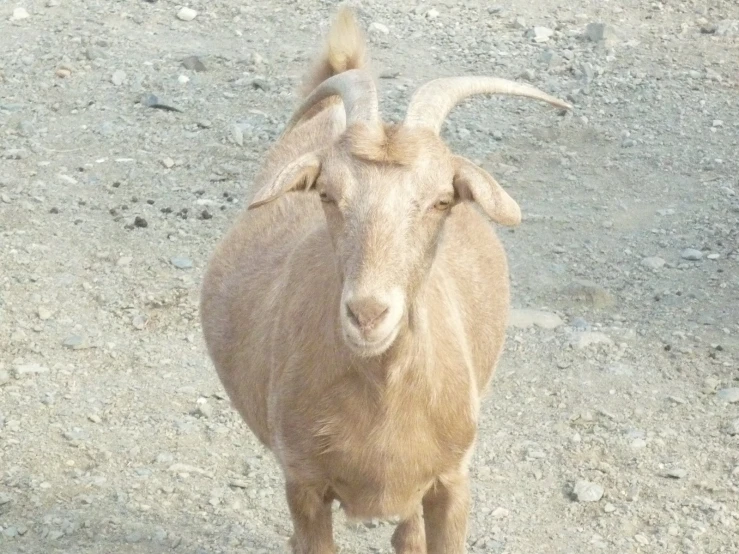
325	197
443	204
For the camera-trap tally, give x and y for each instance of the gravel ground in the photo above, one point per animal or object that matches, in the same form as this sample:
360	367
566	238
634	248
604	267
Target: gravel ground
128	138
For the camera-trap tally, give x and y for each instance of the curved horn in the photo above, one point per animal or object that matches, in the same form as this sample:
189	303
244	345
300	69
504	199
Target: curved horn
357	90
433	101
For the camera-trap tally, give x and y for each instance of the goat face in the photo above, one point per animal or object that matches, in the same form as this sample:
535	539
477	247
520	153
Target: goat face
386	191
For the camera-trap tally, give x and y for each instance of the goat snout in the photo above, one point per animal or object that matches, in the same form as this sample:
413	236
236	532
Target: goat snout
366	313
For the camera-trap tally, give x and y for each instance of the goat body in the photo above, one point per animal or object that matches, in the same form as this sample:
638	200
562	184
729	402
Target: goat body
386	432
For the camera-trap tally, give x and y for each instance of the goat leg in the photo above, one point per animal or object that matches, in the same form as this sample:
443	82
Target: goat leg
310	509
409	536
445	510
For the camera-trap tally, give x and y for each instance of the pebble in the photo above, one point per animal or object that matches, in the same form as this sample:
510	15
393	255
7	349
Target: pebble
186	14
168	163
180	262
237	134
525	318
691	254
732	428
586	491
63	73
676	473
4	378
23	370
653	262
379	27
20	13
193	63
730	395
500	513
140	222
118	77
583	339
183	79
44	313
609	508
600	32
139	322
541	34
432	13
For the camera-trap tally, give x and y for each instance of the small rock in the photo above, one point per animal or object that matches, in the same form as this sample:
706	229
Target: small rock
193	63
205	214
676	473
432	13
44	313
237	134
63	73
379	27
609	508
260	84
731	428
525	318
140	222
168	163
180	262
653	262
118	78
583	339
20	13
186	14
500	513
730	395
94	418
4	378
139	322
183	79
75	342
23	370
601	32
591	294
691	254
585	491
541	34
204	411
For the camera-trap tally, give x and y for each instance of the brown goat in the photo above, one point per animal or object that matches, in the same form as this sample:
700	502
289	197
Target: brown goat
356	311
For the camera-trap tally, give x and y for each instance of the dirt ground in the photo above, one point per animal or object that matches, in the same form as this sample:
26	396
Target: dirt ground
612	424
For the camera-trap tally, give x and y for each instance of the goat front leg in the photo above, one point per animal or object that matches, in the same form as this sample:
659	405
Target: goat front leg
310	509
445	510
409	536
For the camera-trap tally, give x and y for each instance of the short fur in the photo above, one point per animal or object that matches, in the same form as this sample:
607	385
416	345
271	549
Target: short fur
388	434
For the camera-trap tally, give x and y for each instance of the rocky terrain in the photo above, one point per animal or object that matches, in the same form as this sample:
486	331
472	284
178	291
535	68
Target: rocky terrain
129	133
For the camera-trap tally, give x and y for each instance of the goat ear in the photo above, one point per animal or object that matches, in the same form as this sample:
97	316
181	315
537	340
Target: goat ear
300	174
471	182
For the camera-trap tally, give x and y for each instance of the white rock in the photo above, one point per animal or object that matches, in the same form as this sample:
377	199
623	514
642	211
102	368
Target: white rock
542	34
585	491
691	254
676	473
29	369
524	318
432	13
44	313
118	78
732	428
653	262
183	79
499	513
186	14
583	339
730	395
20	13
379	27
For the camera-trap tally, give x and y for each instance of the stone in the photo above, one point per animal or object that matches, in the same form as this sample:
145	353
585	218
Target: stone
601	32
193	63
379	27
525	318
653	262
24	370
541	34
691	254
186	14
20	13
730	395
586	491
590	294
432	13
4	378
118	78
731	428
180	262
44	313
676	473
583	339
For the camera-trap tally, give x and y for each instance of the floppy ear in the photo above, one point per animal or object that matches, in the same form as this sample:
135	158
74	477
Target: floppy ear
300	174
473	183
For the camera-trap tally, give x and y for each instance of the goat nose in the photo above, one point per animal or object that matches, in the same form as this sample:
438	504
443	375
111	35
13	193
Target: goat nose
366	312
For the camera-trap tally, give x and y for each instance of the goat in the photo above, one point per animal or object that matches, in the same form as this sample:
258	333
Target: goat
356	310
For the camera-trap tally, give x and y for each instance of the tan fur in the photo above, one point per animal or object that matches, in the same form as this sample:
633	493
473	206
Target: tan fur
387	434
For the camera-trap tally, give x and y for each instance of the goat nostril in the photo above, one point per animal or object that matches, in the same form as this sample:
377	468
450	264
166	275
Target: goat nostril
366	313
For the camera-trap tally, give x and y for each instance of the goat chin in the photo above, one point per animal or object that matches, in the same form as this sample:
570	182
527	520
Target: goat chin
355	403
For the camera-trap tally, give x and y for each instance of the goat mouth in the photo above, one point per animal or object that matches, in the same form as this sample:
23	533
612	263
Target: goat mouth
371	348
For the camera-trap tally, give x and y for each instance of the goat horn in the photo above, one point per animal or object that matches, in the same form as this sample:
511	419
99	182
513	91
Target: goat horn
433	101
357	90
